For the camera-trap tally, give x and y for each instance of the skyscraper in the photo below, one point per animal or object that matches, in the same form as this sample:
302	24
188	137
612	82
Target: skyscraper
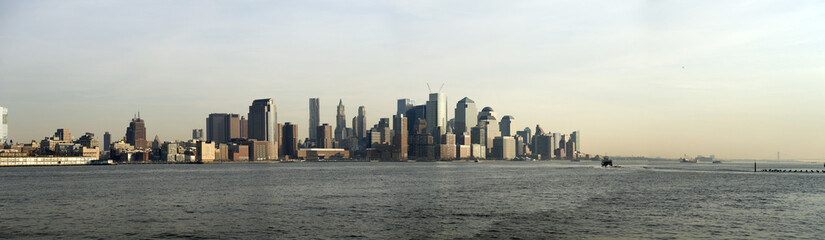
222	127
136	133
325	136
413	114
465	116
263	120
290	140
314	118
359	126
107	141
437	115
487	119
244	128
399	141
197	133
340	122
404	104
63	134
505	125
575	137
4	125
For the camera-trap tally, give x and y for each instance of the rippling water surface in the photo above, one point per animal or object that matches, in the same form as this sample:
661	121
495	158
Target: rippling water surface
411	201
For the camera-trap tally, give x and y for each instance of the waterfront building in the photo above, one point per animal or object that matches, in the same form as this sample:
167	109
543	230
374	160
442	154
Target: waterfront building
570	151
324	136
447	148
260	150
399	143
505	124
404	105
4	125
545	146
222	152
314	118
504	147
290	140
136	133
465	116
222	127
340	122
263	120
239	152
437	115
205	152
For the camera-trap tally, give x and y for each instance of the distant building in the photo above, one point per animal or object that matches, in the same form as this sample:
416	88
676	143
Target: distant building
4	125
504	147
244	128
487	119
260	150
505	125
545	146
526	134
359	125
136	133
197	134
290	140
263	120
314	118
404	105
340	122
325	136
399	141
465	116
575	137
63	134
107	141
205	152
413	114
222	127
437	115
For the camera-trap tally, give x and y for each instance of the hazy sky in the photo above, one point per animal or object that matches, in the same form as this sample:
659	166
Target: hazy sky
738	79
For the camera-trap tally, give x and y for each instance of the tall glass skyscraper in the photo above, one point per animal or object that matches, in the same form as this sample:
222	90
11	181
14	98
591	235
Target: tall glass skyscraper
465	116
437	115
404	104
263	120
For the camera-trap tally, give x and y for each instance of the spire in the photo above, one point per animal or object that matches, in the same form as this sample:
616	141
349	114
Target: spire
340	102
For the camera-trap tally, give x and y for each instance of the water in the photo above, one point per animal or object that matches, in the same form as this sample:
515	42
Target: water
525	200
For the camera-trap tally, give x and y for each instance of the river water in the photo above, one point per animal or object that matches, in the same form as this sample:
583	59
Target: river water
461	200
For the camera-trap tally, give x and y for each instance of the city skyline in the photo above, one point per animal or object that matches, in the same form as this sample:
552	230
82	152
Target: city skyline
644	71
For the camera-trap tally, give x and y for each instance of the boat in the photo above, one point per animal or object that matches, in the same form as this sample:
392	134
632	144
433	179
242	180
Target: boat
606	162
687	160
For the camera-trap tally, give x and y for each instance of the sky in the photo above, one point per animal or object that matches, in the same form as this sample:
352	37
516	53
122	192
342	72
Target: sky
736	79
